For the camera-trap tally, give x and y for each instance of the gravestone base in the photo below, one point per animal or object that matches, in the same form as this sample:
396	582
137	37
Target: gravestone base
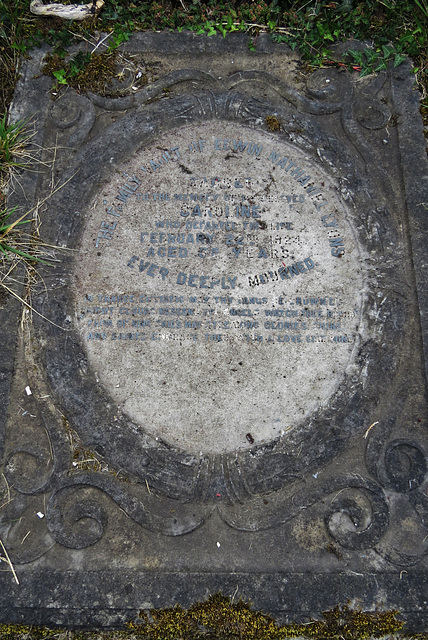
219	381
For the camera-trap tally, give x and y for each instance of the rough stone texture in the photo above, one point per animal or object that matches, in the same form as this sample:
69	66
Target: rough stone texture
164	469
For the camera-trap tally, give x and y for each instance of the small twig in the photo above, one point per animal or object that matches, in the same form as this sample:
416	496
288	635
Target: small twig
53	162
50	443
100	43
25	537
342	64
7	488
7	275
30	307
370	427
262	27
9	562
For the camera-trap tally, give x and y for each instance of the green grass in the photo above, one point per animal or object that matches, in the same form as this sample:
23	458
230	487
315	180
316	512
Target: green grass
396	28
15	139
11	238
6	229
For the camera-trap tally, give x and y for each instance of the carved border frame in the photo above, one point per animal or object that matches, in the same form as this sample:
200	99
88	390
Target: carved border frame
394	463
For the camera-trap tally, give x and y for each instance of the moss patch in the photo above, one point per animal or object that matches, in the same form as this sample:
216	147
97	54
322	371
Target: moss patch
83	72
97	73
219	618
273	124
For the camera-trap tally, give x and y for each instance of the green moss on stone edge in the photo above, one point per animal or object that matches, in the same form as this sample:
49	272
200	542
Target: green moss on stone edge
220	618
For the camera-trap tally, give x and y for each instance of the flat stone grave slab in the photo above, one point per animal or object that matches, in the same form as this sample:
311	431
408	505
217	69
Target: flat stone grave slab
218	382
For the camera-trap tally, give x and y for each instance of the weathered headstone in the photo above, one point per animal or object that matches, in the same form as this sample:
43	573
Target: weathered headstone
221	383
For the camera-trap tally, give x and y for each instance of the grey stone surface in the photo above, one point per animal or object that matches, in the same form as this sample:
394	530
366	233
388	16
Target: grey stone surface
227	358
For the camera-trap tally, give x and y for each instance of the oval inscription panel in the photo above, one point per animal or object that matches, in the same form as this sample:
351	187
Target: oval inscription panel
219	288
